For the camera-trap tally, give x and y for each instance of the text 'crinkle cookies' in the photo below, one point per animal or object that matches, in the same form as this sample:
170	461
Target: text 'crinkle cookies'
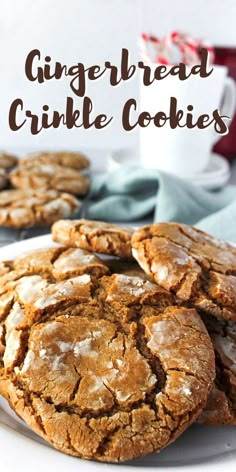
102	368
97	236
26	208
198	268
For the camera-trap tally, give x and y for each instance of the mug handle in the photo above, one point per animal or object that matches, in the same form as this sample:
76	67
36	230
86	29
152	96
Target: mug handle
228	104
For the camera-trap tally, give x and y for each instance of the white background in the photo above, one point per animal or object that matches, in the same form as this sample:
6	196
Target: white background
90	31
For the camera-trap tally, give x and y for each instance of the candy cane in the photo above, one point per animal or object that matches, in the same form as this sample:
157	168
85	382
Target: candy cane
188	47
143	40
160	52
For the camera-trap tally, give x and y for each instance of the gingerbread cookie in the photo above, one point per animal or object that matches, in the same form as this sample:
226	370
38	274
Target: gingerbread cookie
5	267
197	267
61	263
26	208
107	369
3	179
97	236
7	161
221	404
75	160
54	177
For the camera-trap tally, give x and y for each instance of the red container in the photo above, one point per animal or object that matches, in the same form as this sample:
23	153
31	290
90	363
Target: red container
226	56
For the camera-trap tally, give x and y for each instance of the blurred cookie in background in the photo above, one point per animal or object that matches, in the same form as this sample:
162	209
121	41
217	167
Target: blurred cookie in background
3	179
27	208
75	160
50	176
7	161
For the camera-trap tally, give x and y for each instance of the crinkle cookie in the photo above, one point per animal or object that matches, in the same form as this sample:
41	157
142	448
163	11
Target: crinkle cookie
3	179
7	161
198	268
107	369
26	208
97	236
61	263
221	404
49	177
75	160
5	266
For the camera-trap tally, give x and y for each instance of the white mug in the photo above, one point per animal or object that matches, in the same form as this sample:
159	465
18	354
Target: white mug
182	151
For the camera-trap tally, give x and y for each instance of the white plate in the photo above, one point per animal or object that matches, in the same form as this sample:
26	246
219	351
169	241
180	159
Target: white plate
200	448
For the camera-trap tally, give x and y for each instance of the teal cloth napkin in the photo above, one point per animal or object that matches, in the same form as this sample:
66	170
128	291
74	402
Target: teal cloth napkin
132	193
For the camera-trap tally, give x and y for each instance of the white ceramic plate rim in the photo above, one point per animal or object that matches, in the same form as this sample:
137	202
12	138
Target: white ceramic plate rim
20	453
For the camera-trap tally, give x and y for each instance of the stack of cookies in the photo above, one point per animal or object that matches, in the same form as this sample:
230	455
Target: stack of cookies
112	356
45	187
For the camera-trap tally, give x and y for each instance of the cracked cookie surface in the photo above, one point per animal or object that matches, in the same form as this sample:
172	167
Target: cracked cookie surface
26	208
221	404
45	176
198	268
104	369
60	263
97	236
74	160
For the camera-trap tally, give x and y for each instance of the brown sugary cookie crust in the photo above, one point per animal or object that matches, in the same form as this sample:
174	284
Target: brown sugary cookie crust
97	236
221	404
105	369
3	179
75	160
26	208
198	268
7	161
49	177
61	263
